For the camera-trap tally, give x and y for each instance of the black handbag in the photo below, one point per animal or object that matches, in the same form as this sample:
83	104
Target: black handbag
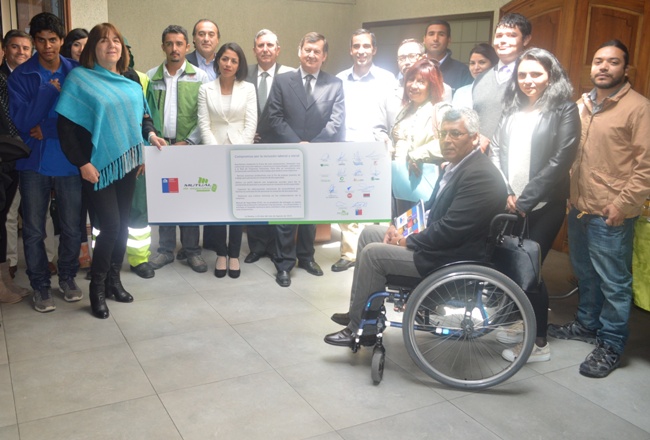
12	148
517	257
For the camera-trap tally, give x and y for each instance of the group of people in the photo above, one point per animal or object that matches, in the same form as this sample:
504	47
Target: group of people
503	133
514	140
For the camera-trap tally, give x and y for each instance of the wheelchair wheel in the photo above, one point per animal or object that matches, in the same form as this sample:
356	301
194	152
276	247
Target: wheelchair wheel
451	322
378	358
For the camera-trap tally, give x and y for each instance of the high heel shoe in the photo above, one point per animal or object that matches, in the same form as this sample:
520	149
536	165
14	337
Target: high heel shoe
220	273
233	273
114	287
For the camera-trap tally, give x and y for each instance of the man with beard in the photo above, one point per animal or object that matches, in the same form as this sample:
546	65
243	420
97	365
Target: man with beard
610	180
173	96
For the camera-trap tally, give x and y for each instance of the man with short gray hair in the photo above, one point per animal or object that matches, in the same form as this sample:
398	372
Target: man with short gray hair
468	194
267	49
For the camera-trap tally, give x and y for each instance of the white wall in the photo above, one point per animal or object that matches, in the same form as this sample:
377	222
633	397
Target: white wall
87	13
142	22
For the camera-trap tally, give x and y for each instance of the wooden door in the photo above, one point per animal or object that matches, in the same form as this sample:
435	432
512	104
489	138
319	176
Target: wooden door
573	30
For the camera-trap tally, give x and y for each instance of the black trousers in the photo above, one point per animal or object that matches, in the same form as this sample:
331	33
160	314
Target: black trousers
288	247
261	239
8	188
112	208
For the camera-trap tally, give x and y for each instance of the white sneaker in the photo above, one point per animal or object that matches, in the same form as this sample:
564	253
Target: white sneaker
513	334
539	354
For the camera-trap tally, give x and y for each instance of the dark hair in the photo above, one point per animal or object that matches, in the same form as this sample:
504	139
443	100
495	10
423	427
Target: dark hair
15	33
429	70
619	45
441	22
73	35
242	67
175	29
514	20
486	50
46	21
559	87
210	21
362	31
89	57
314	37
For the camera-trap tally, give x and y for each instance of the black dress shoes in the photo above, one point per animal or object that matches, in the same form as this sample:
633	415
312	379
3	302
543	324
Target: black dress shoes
252	257
143	270
312	267
344	338
283	278
342	265
341	318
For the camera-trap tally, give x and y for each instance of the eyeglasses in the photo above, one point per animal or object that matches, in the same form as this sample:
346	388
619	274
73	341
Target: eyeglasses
410	57
454	134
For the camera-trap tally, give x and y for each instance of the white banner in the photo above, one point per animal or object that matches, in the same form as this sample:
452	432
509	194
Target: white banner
338	182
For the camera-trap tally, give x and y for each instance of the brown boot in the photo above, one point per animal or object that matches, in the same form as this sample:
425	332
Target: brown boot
8	282
8	297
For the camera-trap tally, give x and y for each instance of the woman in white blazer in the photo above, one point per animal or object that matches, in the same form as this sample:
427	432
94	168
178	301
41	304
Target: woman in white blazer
227	110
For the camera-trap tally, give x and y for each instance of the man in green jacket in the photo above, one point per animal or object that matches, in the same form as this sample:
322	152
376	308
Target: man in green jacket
172	96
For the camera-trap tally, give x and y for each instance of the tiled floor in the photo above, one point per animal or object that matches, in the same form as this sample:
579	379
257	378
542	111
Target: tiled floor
195	357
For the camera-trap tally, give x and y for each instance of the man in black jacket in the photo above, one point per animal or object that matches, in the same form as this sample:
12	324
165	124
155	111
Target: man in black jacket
469	193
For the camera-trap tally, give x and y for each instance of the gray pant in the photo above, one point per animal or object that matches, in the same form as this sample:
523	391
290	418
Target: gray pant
375	260
189	239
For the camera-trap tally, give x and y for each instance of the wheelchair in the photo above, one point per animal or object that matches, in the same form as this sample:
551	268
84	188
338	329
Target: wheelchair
450	322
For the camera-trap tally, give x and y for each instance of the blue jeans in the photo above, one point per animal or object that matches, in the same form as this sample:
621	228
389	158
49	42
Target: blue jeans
35	189
601	256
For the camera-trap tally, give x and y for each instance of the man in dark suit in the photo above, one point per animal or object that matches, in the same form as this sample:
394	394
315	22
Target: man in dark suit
267	49
469	193
206	37
304	106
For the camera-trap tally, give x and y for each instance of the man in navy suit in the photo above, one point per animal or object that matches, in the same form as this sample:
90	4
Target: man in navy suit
304	106
469	193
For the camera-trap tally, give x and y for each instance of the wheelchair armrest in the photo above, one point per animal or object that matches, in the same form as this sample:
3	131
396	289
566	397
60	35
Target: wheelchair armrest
402	281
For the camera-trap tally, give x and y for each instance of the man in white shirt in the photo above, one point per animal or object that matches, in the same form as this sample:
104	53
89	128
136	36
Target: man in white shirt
365	86
206	38
261	238
172	96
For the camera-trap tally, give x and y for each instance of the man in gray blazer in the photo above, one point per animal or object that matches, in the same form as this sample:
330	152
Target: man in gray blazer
304	106
261	238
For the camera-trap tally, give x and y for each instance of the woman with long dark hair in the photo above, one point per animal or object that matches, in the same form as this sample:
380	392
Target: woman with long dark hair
95	99
534	146
227	109
74	43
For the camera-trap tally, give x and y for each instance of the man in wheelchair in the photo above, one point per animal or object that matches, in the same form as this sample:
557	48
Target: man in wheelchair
468	194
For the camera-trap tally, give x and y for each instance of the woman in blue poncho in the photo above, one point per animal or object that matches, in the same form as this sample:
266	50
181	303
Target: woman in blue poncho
103	121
